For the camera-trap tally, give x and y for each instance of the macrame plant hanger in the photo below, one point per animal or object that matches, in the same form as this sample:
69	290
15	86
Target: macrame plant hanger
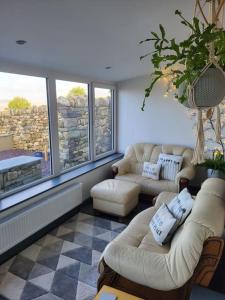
207	90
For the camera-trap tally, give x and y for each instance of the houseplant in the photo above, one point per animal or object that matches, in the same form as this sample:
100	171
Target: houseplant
184	61
215	166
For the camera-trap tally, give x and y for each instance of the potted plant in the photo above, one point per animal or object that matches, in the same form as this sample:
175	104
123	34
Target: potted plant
184	61
215	166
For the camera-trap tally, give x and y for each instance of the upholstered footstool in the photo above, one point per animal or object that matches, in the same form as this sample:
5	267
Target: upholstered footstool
115	197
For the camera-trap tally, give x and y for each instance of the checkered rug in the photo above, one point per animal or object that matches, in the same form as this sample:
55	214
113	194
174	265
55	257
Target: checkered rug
61	265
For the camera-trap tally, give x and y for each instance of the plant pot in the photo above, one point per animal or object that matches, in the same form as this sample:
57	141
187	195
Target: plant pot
208	91
215	174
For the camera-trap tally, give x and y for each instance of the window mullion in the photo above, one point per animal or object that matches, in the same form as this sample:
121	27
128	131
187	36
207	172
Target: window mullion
53	124
114	120
91	122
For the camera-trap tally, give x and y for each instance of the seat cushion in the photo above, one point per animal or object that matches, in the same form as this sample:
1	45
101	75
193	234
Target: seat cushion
138	233
148	243
149	186
115	190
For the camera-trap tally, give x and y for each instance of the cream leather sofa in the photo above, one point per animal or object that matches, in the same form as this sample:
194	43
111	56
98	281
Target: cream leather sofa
145	267
131	166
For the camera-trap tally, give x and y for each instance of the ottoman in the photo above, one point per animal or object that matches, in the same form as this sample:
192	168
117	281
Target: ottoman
115	197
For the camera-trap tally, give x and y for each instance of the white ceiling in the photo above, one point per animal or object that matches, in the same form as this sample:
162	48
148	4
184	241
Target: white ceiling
84	36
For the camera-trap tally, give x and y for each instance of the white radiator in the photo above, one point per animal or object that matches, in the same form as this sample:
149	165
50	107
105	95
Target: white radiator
22	224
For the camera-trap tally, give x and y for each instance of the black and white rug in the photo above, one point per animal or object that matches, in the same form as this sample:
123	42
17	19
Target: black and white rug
61	265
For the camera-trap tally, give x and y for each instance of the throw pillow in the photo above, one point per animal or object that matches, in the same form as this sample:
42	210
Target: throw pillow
170	165
163	225
151	170
181	205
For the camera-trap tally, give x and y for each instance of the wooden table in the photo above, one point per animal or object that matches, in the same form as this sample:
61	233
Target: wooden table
120	295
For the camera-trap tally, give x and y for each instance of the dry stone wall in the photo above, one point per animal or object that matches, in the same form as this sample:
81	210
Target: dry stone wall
73	129
29	128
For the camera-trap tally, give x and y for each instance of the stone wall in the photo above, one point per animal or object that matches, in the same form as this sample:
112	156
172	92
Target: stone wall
19	176
103	125
73	129
29	128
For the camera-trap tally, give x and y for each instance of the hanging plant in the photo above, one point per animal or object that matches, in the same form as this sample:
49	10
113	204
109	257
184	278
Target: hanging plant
185	61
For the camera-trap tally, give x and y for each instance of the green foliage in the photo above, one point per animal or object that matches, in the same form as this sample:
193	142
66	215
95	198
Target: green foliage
184	59
77	91
19	103
215	163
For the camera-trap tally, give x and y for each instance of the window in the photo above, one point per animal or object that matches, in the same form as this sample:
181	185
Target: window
103	121
73	123
84	113
25	154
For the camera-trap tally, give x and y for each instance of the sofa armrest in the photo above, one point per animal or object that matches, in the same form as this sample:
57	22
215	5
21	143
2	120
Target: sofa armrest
184	176
137	265
209	260
121	167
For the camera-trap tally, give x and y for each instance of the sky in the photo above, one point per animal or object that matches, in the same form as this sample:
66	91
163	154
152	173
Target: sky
34	88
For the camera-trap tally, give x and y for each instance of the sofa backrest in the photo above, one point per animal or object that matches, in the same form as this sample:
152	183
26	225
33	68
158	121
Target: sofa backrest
142	152
206	220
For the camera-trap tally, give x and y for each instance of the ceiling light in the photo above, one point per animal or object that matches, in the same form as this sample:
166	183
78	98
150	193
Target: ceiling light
21	42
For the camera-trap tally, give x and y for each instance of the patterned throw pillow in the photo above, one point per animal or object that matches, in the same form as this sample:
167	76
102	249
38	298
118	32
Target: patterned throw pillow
181	205
163	225
170	165
151	170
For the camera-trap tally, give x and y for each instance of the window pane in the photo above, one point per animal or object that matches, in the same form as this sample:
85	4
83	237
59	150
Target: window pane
72	104
24	131
103	120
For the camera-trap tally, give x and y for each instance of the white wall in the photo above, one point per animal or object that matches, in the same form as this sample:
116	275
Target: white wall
163	121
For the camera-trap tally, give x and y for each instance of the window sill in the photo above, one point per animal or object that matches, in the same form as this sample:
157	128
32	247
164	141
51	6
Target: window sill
18	198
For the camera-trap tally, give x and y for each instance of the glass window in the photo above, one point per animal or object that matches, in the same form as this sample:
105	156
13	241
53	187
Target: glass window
73	123
24	131
103	125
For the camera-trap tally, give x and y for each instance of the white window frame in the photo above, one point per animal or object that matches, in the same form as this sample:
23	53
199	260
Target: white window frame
62	171
113	92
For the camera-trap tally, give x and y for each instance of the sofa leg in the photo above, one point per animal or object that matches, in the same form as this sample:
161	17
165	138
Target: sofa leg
107	277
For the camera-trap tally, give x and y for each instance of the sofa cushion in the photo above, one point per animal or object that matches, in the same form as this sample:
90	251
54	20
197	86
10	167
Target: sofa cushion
170	165
138	234
163	225
148	243
149	186
181	205
151	170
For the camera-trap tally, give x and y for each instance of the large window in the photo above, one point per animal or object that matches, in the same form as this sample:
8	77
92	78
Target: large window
73	123
25	154
103	120
77	119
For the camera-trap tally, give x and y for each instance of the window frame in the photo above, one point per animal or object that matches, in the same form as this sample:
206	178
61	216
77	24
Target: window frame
52	174
51	78
63	171
113	94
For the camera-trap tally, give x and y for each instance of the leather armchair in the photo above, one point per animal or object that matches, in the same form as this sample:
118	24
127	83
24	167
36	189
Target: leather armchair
133	262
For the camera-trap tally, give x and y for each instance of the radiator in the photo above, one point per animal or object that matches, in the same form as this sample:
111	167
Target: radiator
24	223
